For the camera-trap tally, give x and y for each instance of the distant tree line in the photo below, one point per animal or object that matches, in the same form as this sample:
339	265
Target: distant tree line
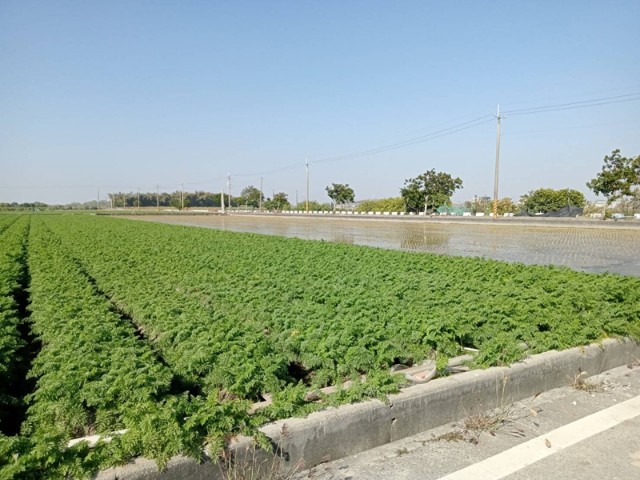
165	199
618	182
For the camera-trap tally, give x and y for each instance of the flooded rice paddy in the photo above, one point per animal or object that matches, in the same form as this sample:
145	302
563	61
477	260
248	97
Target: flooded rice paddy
586	247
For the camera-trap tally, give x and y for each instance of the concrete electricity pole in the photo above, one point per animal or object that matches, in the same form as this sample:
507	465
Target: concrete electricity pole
260	200
497	175
157	197
138	198
98	198
306	164
181	196
229	188
222	199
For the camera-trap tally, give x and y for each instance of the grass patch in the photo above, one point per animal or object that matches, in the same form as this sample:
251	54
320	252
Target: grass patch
582	383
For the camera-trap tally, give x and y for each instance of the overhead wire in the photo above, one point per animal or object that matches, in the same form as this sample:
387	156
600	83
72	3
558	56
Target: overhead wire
401	144
275	170
411	141
574	105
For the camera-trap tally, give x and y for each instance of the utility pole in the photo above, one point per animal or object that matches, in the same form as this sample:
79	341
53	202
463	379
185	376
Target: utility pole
157	197
181	196
306	164
229	189
497	176
260	201
98	198
296	198
138	198
124	201
222	199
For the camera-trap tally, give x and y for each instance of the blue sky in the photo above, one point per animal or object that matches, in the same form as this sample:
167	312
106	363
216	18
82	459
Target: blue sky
126	94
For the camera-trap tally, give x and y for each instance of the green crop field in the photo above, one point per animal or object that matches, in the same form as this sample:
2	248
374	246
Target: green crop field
171	332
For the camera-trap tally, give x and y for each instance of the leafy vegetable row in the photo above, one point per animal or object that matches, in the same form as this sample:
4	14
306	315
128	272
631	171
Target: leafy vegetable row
95	375
92	369
251	313
7	220
167	331
206	349
12	249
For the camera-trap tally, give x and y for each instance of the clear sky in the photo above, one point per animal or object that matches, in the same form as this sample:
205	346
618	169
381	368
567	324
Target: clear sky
126	94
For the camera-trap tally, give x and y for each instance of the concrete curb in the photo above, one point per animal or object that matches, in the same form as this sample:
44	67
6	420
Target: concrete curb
350	429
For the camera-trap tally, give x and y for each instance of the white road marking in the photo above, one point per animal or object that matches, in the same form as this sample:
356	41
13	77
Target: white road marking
525	454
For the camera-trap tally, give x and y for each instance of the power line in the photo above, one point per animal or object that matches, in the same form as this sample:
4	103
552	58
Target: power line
291	166
572	127
68	187
573	105
210	180
383	148
411	141
592	93
446	131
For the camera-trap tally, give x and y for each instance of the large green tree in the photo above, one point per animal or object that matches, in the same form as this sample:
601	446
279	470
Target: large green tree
619	177
340	194
544	200
278	202
429	190
251	196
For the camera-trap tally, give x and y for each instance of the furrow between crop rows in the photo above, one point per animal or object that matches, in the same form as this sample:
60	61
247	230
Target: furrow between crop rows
95	375
91	366
178	384
6	221
202	345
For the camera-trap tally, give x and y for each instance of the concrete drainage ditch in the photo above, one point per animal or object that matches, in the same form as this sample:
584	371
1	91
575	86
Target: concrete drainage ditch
339	432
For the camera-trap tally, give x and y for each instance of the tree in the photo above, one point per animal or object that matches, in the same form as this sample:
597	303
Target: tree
340	194
278	202
506	205
485	205
251	196
314	206
176	203
619	177
394	204
546	200
429	190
